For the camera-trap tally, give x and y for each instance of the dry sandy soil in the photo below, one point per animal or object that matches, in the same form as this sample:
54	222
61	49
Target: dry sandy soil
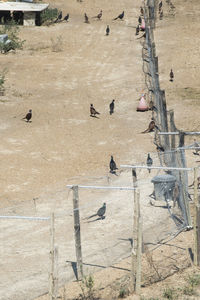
63	144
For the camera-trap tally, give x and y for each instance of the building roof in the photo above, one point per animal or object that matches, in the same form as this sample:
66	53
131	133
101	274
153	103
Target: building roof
23	6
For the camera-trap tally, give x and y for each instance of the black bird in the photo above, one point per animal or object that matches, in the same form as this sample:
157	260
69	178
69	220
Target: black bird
120	16
66	17
113	166
137	30
112	106
59	17
149	162
171	75
107	30
28	116
99	15
93	111
86	18
160	6
141	11
140	20
100	213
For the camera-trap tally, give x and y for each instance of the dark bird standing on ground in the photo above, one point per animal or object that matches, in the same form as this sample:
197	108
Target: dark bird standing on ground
93	111
171	75
59	17
149	162
120	16
100	213
112	106
99	15
140	20
160	6
107	30
86	18
151	126
66	17
28	116
113	166
137	30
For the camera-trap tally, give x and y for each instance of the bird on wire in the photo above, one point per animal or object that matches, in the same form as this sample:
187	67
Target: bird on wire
59	17
151	127
93	111
107	30
112	106
100	213
66	18
99	15
137	30
149	162
113	166
28	116
171	75
196	145
121	16
86	18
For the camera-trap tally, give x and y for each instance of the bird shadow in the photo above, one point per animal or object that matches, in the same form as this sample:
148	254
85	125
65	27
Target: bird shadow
114	173
171	80
195	153
94	117
97	219
26	121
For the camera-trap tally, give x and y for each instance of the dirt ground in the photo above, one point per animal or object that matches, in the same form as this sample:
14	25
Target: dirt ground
64	145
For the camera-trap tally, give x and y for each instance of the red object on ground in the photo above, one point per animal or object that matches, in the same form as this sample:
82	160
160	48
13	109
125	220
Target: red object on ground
142	27
142	105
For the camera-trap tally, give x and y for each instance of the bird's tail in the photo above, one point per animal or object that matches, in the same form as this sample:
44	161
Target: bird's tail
147	130
23	118
92	216
115	18
97	113
149	171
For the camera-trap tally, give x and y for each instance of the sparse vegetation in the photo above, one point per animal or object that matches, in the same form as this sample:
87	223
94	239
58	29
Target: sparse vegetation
2	81
12	30
56	44
49	14
87	288
169	293
123	293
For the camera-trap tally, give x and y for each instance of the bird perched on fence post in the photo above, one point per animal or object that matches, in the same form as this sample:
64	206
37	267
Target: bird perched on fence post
100	213
149	162
113	166
93	111
86	18
171	75
66	18
112	106
107	30
121	16
99	15
28	116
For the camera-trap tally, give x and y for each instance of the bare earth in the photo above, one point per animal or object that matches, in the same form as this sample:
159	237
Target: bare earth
64	145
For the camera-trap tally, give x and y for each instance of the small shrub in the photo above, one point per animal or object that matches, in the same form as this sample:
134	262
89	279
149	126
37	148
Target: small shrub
169	293
2	81
12	30
87	287
194	280
188	290
49	14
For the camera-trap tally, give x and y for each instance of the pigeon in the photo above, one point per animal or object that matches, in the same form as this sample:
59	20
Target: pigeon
99	15
86	18
28	116
196	145
149	162
66	17
120	16
171	75
160	6
113	166
137	30
107	30
112	106
59	17
151	126
100	213
93	111
140	20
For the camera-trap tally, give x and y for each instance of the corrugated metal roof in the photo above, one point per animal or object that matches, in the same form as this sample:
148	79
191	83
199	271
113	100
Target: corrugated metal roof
23	6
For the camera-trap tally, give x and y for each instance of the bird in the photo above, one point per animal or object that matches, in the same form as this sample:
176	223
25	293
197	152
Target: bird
160	148
28	116
113	166
171	75
107	30
197	147
59	17
86	18
149	162
66	17
141	11
100	213
121	16
137	30
112	106
93	111
161	14
99	15
140	20
151	126
160	6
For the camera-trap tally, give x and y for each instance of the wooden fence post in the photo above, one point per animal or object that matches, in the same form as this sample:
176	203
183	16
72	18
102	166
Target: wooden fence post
139	257
53	278
195	221
77	233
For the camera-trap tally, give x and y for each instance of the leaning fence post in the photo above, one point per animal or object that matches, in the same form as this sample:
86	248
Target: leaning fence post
77	233
196	213
139	256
